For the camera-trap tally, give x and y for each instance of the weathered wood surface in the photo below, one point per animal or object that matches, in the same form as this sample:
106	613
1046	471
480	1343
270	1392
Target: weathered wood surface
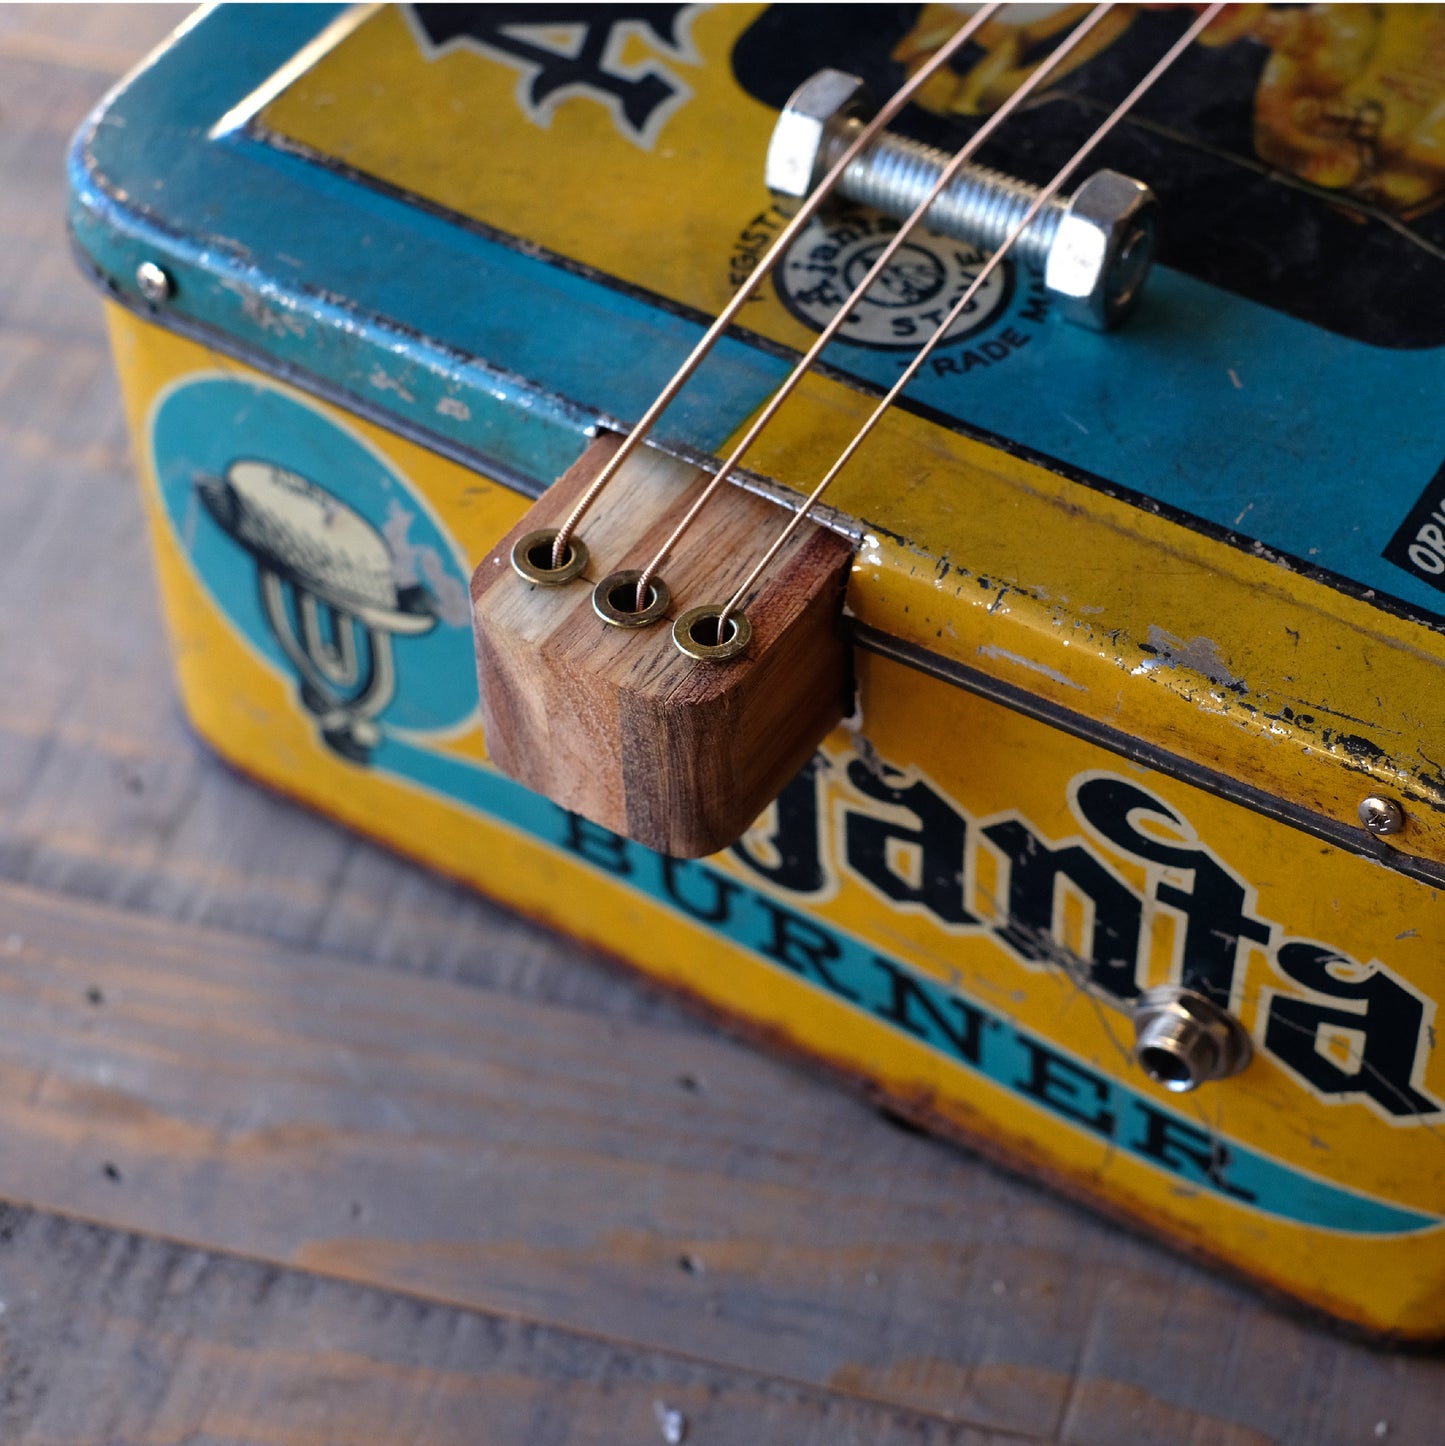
615	723
217	1350
669	1192
387	1164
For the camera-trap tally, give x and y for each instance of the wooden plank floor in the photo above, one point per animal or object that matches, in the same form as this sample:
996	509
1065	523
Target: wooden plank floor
299	1144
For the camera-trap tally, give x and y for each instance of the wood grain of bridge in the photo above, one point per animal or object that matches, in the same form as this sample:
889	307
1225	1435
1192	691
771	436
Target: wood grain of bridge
300	1144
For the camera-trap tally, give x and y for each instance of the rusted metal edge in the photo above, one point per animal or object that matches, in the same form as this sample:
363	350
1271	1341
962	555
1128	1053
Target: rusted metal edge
588	423
912	1107
1233	790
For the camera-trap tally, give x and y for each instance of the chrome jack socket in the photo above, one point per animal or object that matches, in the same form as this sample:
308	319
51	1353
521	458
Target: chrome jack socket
1182	1038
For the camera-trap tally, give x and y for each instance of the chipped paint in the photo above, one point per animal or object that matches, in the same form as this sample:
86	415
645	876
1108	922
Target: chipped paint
987	650
272	320
384	383
1198	655
868	552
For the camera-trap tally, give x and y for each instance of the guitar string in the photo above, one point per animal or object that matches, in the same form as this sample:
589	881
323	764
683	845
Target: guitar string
1044	196
760	272
840	317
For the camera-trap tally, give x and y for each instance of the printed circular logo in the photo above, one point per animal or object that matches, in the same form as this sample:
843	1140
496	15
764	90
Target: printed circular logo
321	555
915	292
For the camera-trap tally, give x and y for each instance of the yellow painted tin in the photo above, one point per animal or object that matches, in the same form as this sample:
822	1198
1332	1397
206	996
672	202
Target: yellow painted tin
1106	738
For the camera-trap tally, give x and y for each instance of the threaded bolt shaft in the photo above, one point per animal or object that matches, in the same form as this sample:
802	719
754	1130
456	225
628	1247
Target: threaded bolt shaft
1094	247
980	205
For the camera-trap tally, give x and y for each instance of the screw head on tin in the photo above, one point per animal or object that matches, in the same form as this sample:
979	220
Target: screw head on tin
1381	815
154	282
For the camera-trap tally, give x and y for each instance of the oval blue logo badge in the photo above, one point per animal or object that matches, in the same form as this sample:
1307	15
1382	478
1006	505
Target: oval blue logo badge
322	555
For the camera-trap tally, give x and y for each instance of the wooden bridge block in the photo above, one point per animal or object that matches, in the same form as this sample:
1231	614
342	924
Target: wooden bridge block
616	724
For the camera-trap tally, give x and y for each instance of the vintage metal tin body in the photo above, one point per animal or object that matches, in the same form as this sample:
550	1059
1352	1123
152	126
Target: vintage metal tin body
1138	622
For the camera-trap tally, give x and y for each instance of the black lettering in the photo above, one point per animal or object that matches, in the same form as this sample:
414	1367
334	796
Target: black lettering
803	947
995	350
795	844
824	294
1213	908
1035	873
1035	309
597	845
1177	1145
1389	1025
1216	924
1068	1088
938	844
1015	338
943	365
905	995
491	27
718	909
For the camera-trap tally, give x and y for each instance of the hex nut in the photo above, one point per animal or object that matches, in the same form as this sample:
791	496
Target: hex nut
798	151
1102	250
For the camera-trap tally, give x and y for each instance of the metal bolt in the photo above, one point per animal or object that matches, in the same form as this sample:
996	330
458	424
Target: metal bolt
1183	1038
1094	247
1381	815
155	282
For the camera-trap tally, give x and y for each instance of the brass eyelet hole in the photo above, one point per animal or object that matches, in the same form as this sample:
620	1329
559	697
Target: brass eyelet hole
532	558
614	600
696	634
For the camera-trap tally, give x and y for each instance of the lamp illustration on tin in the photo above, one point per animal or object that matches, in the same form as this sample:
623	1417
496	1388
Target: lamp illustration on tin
329	593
